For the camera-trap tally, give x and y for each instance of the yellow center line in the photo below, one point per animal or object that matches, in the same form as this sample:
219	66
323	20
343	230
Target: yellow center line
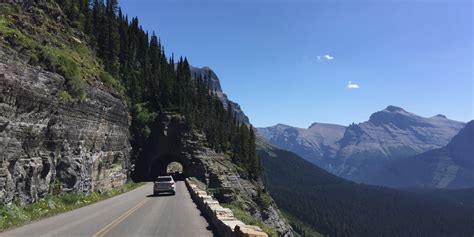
117	221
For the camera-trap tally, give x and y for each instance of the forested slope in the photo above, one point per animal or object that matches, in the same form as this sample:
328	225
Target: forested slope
337	207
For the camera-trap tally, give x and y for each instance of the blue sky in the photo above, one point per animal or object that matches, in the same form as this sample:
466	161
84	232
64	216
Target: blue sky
291	61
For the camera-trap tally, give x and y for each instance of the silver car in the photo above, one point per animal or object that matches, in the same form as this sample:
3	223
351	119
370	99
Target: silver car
164	184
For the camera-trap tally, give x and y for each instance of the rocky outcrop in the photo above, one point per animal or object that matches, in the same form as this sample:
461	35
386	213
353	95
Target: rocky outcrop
215	84
73	146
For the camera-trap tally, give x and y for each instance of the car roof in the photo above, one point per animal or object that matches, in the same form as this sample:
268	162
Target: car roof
167	176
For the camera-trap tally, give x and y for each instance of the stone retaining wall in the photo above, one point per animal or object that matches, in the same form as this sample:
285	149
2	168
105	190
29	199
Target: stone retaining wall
221	218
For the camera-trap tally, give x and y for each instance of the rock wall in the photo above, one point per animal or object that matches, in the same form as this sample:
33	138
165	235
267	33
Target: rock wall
73	146
222	219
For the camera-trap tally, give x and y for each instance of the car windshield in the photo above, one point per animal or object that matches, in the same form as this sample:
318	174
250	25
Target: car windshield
164	179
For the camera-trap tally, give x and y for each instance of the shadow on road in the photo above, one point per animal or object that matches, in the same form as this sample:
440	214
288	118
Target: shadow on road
160	195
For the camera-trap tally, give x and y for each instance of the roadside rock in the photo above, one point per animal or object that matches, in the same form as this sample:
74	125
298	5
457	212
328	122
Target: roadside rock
78	146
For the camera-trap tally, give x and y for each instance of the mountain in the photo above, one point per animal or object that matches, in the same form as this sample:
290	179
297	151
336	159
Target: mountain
312	143
334	206
390	134
206	72
451	166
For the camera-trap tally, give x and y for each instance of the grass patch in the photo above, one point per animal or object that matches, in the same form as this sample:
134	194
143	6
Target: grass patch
111	82
15	37
245	217
64	97
16	215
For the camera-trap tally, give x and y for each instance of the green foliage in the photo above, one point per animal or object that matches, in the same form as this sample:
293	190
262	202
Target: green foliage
63	61
13	36
142	118
245	217
263	199
64	97
56	188
111	82
15	215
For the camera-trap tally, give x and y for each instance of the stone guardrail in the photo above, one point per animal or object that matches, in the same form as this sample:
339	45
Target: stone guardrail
221	218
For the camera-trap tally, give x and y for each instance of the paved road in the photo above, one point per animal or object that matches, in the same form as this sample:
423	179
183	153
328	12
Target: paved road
136	213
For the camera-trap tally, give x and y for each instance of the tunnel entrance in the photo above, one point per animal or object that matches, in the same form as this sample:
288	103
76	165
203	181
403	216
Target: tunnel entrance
174	167
169	143
176	170
167	165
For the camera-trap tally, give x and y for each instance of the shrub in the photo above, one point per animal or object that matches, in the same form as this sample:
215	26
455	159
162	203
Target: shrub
263	199
64	97
111	82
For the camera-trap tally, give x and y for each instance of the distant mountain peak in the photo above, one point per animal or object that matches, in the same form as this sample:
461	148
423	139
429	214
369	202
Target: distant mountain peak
392	108
215	84
395	115
440	116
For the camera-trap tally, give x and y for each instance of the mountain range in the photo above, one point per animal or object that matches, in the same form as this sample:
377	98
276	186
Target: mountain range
358	151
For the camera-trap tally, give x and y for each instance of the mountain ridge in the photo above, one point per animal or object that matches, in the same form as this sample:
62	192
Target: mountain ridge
389	134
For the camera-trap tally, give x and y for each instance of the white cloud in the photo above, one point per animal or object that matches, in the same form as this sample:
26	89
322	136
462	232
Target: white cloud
325	57
328	57
351	85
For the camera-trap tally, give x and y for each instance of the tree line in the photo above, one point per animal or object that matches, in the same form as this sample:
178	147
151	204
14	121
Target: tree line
154	82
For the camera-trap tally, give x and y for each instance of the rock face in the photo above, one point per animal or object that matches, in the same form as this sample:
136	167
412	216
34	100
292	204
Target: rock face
173	141
206	72
451	166
75	146
360	149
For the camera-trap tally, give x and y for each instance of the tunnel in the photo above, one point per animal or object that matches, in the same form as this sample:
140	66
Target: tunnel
169	141
160	166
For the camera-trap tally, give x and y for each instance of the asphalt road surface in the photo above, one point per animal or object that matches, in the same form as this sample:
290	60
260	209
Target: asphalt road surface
135	213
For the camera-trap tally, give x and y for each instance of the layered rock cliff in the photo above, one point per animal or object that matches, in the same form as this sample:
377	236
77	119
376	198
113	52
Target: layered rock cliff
45	142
